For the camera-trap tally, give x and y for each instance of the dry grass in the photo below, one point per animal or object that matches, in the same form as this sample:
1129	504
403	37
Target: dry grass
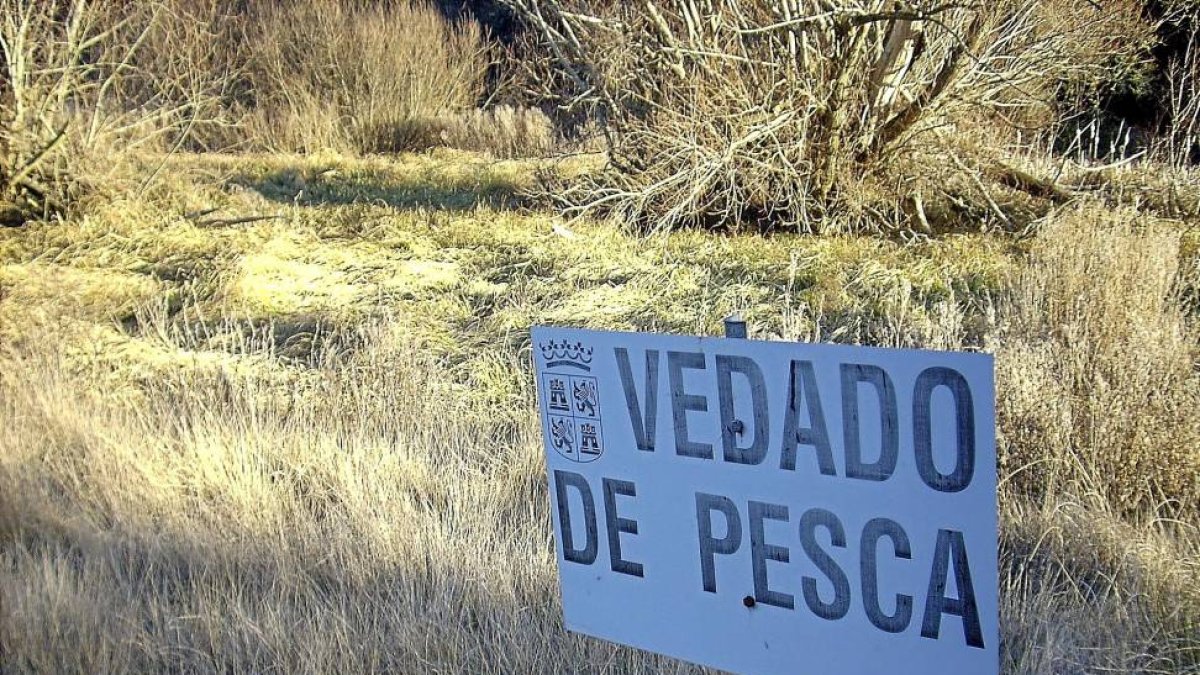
289	76
357	76
308	444
504	131
1100	329
363	518
1096	379
1084	592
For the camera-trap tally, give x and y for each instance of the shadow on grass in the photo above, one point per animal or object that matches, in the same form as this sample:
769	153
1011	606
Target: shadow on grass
463	190
121	590
175	601
303	338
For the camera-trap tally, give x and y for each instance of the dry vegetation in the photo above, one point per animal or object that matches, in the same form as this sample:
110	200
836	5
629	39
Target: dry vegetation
825	116
74	106
357	77
85	85
354	77
264	412
309	443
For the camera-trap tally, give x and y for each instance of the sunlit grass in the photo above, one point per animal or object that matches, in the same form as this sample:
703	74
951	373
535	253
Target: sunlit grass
307	442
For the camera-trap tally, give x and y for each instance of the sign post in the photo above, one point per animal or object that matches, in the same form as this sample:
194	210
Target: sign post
768	507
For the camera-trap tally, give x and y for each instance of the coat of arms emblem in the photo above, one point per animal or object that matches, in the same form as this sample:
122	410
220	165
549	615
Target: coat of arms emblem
570	399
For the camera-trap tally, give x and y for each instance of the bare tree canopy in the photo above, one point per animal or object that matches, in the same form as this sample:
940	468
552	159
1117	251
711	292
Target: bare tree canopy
745	110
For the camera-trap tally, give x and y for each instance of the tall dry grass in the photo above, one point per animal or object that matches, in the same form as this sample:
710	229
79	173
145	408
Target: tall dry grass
363	519
358	76
350	76
1100	367
503	131
1096	392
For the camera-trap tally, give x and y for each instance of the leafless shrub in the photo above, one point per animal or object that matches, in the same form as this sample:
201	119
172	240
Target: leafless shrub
1180	142
201	51
752	110
67	119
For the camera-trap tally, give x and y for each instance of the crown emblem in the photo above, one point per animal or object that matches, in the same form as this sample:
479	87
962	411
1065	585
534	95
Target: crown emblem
566	353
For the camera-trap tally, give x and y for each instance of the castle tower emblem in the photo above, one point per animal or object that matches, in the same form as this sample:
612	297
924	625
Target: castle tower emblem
589	440
558	395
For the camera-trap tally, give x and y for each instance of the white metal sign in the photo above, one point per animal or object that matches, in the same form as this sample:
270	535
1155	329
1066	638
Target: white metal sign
770	507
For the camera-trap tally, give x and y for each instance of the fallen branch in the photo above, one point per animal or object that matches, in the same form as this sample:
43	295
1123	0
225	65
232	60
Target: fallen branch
225	222
19	178
196	215
1026	182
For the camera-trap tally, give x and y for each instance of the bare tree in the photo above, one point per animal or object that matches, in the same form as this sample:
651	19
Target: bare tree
75	100
736	110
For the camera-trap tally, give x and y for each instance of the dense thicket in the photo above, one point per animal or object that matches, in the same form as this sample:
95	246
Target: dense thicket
819	115
85	82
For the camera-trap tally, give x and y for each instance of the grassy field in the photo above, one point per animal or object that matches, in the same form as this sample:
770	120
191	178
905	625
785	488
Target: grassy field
278	416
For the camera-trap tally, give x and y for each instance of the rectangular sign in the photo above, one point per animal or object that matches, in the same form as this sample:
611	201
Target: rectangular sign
771	507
